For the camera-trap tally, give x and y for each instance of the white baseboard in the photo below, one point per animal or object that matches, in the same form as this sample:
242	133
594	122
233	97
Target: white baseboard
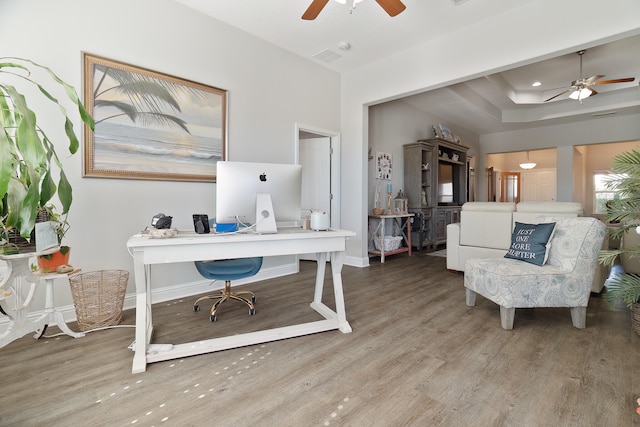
181	290
356	262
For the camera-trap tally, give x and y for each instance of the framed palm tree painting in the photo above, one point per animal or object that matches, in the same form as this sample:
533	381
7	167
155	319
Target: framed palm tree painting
151	125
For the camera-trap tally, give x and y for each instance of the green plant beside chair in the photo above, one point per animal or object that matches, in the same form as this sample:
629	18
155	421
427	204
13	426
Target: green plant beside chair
624	210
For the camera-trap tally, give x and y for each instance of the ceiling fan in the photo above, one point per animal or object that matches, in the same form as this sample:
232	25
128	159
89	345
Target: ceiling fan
582	88
392	7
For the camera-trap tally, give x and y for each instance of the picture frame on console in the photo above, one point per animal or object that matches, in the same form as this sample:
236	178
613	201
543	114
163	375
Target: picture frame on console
151	125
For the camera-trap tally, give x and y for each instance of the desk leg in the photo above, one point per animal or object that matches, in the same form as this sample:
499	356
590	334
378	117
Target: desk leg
321	258
144	325
337	260
340	316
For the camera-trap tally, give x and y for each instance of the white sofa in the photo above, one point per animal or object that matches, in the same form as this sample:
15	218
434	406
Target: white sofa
484	230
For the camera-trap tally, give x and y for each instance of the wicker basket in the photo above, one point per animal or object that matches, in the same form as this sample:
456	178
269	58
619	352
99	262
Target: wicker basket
390	243
635	317
98	297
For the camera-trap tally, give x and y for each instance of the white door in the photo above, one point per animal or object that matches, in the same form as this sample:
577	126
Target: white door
539	186
315	158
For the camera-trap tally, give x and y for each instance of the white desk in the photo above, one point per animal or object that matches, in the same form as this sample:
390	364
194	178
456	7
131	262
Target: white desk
189	246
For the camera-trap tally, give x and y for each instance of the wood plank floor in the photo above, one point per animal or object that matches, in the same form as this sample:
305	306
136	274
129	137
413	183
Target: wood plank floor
417	356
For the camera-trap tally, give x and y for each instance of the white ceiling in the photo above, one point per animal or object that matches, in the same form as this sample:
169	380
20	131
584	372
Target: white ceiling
494	103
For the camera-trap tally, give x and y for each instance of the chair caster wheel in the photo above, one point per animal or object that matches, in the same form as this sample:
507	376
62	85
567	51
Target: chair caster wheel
252	311
196	308
253	299
212	317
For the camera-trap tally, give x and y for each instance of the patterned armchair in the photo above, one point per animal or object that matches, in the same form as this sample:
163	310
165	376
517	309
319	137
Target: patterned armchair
564	281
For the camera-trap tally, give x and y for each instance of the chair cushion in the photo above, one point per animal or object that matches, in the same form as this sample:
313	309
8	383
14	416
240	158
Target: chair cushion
530	242
512	283
229	269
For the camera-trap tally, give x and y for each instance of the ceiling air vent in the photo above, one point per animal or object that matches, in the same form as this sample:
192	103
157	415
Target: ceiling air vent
327	55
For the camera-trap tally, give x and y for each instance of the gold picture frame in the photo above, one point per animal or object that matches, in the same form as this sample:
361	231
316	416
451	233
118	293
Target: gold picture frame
151	125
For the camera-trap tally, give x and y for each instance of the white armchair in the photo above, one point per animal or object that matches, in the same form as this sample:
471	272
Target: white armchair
564	281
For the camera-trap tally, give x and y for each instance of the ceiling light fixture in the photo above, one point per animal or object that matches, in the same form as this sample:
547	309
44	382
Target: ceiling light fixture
536	84
352	3
580	94
528	164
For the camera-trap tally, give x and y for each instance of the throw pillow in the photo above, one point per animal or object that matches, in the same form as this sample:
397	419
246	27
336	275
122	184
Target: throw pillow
530	242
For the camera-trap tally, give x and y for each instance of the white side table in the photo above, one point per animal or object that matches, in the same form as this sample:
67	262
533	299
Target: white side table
400	223
52	315
20	274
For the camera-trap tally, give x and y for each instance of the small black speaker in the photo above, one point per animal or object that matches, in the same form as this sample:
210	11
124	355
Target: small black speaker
201	223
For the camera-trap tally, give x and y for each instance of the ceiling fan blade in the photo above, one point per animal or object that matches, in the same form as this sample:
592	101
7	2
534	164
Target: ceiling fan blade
608	82
555	96
593	92
593	78
392	7
314	9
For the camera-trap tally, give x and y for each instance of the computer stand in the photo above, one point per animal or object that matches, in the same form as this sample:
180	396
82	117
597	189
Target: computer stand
265	218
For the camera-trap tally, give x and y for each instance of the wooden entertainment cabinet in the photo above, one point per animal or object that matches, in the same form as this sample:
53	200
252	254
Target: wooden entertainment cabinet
426	164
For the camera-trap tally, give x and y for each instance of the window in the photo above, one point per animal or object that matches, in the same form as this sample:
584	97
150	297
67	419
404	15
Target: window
602	192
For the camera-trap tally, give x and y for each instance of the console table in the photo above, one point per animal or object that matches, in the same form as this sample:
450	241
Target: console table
189	246
400	223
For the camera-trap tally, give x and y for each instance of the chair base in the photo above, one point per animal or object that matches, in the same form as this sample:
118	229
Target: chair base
226	295
507	314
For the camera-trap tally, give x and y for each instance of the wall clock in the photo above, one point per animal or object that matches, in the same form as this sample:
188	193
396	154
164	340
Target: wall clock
384	165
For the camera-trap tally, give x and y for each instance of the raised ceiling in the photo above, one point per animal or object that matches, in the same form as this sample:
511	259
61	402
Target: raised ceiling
494	103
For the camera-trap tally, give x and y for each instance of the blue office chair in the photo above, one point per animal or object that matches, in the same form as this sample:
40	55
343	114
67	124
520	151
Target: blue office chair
228	270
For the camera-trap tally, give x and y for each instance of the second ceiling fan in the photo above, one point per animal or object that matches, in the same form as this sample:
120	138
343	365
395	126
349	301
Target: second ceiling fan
392	7
582	88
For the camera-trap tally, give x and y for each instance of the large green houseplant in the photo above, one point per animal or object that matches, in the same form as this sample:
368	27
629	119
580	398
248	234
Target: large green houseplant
624	209
29	163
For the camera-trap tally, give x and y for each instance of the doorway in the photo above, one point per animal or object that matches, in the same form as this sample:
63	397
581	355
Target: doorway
318	151
510	187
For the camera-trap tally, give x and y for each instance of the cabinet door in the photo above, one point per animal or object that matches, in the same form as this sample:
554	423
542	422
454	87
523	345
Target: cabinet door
427	168
441	225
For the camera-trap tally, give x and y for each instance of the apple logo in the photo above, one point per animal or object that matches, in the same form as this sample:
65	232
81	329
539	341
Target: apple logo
263	177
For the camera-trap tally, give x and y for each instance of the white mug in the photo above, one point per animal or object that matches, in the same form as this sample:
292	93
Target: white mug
320	221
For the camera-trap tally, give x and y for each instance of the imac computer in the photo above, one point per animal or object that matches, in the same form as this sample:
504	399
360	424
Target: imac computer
264	194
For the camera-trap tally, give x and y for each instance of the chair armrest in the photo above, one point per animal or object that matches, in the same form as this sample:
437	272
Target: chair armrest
453	245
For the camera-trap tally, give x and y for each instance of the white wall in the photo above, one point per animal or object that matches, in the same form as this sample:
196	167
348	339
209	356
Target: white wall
269	91
536	30
395	123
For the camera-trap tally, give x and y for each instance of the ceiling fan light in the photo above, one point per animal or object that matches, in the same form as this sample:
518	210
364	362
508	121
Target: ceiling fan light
528	165
345	1
580	94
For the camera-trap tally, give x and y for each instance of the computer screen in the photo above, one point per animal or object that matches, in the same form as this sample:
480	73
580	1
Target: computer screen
265	194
